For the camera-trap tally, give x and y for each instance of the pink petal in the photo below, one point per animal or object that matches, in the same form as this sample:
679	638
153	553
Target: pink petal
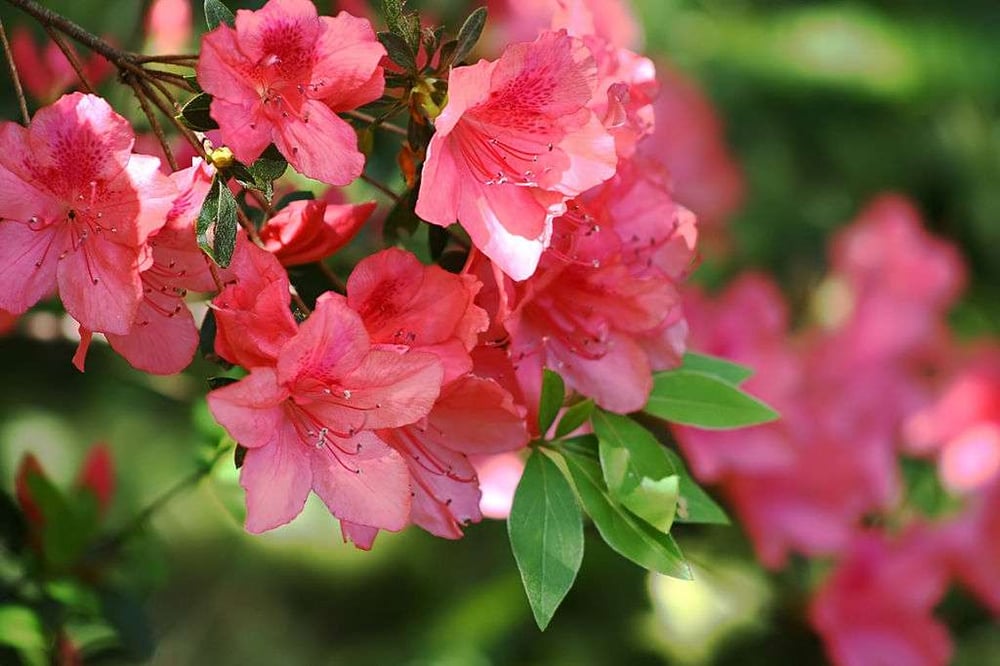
346	72
277	478
397	389
100	286
162	344
243	126
250	409
28	262
323	147
370	486
619	381
361	535
329	344
456	422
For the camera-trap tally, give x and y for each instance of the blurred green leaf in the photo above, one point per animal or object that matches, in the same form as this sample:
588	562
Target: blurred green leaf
399	51
551	400
217	223
124	612
546	534
727	371
20	628
627	534
636	469
574	417
694	504
697	399
469	35
217	13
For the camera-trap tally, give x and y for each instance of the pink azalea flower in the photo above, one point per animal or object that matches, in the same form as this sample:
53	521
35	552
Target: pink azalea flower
498	479
690	141
304	232
610	20
972	541
77	211
252	315
46	73
168	25
603	308
282	75
516	140
307	422
877	605
163	339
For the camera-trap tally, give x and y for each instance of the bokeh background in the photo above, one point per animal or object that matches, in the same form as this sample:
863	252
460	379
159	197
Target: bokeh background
820	106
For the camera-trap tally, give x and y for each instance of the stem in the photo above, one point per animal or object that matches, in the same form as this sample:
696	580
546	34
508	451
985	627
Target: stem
18	90
380	187
376	122
71	56
155	124
334	279
168	59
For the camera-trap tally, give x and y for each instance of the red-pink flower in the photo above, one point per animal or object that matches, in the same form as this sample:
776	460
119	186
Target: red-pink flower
77	210
168	25
307	422
306	231
282	75
7	322
516	140
603	309
46	73
972	542
877	606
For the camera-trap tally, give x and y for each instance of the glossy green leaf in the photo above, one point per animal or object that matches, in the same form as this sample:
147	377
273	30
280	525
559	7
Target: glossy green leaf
694	504
400	52
697	399
574	417
217	13
546	534
551	400
624	532
217	223
636	469
196	113
20	628
469	35
727	371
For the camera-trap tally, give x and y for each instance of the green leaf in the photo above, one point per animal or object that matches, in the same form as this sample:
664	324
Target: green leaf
727	371
636	469
217	224
624	532
551	400
574	417
217	13
402	220
196	114
546	534
469	35
260	175
20	628
68	527
127	616
13	528
694	504
697	399
399	51
402	23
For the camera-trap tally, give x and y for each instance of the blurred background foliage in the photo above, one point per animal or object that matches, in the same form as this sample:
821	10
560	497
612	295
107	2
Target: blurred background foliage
825	104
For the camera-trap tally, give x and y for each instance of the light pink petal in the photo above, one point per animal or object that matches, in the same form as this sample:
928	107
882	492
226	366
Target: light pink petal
488	217
445	490
28	261
361	535
100	286
369	486
250	409
330	343
458	418
619	381
155	192
440	184
287	29
243	126
222	67
592	158
467	87
277	478
162	344
24	197
396	389
347	57
325	147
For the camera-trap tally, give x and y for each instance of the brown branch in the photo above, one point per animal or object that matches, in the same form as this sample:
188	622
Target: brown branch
186	132
334	279
154	124
71	56
168	59
376	122
18	90
380	187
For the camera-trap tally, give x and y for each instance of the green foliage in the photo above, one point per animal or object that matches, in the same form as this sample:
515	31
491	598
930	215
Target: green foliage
216	13
217	223
694	505
638	474
195	114
551	401
468	36
21	629
727	371
260	175
400	52
574	417
546	535
698	399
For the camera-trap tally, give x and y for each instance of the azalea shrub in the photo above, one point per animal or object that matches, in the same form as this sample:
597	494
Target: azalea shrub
434	269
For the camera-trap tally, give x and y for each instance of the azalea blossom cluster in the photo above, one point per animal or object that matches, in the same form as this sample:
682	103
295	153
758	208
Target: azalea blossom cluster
875	377
379	394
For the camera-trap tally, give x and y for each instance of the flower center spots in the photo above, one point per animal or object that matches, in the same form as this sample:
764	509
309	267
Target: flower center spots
499	161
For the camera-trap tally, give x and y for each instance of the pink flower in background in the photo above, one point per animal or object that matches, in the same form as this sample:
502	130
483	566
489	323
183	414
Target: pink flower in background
603	309
252	314
522	20
168	25
7	322
78	210
972	543
304	232
307	422
498	479
877	605
690	141
46	73
282	75
514	143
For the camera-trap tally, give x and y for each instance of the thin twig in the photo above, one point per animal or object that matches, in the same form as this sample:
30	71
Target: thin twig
334	279
71	56
380	187
171	116
376	122
168	59
18	90
299	303
154	124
